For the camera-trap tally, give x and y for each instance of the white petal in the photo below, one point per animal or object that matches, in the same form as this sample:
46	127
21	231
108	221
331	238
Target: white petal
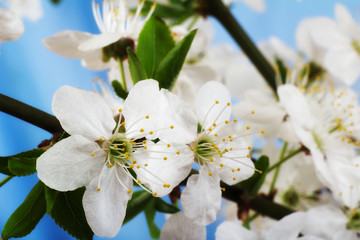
345	19
158	171
179	227
181	116
236	164
201	199
234	230
287	228
296	105
84	113
68	165
105	209
99	41
144	99
257	5
66	43
11	26
27	8
93	60
207	111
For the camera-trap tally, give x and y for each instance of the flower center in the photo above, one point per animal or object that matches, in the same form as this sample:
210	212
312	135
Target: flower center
120	149
356	45
205	149
318	141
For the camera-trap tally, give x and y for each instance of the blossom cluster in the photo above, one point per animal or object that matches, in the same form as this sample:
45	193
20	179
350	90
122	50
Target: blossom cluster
199	132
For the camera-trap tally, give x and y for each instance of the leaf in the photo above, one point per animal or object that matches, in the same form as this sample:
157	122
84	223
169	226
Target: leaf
162	206
171	65
50	196
69	214
27	215
119	90
172	11
155	42
150	217
254	183
137	204
137	70
20	164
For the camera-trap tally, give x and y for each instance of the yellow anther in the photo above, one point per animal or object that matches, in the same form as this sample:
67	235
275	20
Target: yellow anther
123	149
137	166
120	110
147	117
210	129
234	178
262	131
123	124
131	166
138	181
235	120
134	162
141	130
252	112
211	159
224	139
228	104
192	149
165	158
226	121
213	145
155	193
210	173
98	189
144	141
221	165
165	185
93	154
172	127
231	149
230	136
249	147
145	147
110	165
115	146
214	124
233	170
247	127
238	169
151	132
231	139
168	145
101	139
216	102
248	156
146	165
216	134
178	152
124	143
129	191
223	189
260	172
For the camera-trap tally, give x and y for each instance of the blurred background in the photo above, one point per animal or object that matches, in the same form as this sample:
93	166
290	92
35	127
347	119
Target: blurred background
31	74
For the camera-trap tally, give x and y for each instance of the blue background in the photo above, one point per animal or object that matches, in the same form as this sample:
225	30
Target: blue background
31	74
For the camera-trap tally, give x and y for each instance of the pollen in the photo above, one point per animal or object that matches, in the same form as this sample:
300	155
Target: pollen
249	147
234	178
210	129
211	159
252	112
141	130
131	166
178	152
101	139
129	191
98	189
228	104
146	165
216	102
247	127
155	193
151	132
144	142
168	145
137	166
123	124
115	146
216	134
233	170
147	117
124	143
172	127
260	172
238	169
110	165
93	154
223	189
221	165
165	158
226	121
120	109
235	120
138	181
248	156
262	131
214	124
210	173
145	147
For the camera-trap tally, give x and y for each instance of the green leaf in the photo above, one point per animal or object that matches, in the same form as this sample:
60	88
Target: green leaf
172	11
69	214
150	217
171	65
20	164
27	215
137	204
254	183
137	70
50	196
119	90
155	42
162	206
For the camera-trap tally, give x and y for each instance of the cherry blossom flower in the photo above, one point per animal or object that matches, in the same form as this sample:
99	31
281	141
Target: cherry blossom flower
102	153
11	27
30	9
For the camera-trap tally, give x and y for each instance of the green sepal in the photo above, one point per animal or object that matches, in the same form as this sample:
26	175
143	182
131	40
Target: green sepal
154	43
27	215
254	183
162	206
21	164
119	90
137	70
50	196
150	217
137	204
169	68
68	213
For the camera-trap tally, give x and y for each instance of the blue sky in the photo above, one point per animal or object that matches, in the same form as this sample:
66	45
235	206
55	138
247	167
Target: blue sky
30	73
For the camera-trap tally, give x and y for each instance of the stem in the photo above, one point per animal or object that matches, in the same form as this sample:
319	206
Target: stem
250	219
283	150
293	153
123	80
5	180
217	9
29	114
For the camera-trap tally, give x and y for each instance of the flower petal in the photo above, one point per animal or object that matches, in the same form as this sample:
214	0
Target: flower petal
234	230
237	166
99	41
178	226
287	228
68	165
11	26
201	199
84	113
164	166
105	209
345	19
30	9
211	104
